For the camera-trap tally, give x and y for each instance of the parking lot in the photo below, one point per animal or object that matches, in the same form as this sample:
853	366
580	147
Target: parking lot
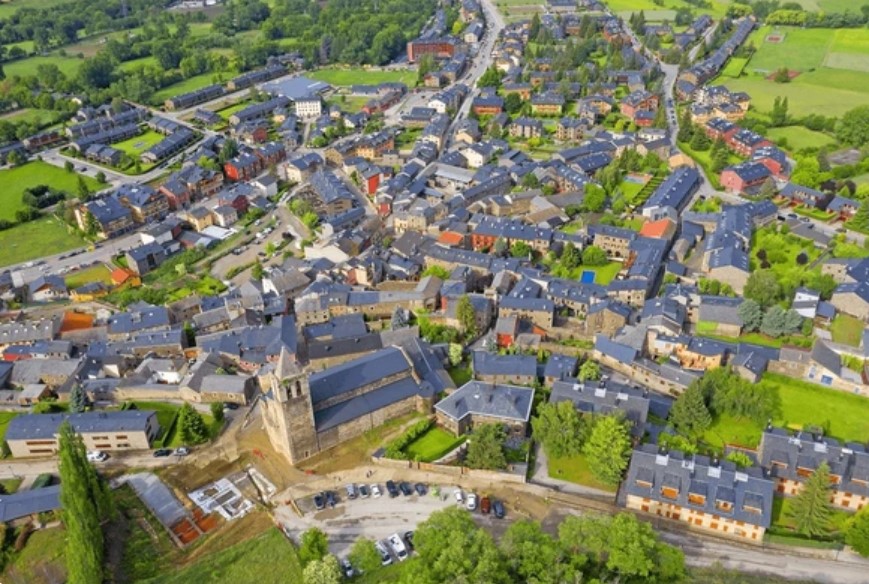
374	518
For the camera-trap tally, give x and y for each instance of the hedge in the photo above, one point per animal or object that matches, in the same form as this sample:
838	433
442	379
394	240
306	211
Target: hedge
395	449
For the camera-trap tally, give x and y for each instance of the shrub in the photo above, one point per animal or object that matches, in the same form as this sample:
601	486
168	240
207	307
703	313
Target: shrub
395	449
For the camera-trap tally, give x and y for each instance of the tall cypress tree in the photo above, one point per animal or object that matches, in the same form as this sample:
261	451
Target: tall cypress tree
690	415
811	510
81	512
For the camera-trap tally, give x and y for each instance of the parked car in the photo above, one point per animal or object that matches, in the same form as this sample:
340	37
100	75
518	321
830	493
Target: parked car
331	499
485	505
182	451
230	406
385	558
97	456
375	491
348	570
363	491
408	537
472	502
405	488
420	489
391	489
320	501
398	547
351	491
161	452
460	498
498	508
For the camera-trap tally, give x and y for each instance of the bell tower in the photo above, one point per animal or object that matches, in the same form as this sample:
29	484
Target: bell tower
289	413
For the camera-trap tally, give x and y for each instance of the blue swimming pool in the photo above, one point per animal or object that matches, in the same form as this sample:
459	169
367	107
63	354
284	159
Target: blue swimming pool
587	277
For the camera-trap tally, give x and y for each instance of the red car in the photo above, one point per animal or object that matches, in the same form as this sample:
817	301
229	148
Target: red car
485	505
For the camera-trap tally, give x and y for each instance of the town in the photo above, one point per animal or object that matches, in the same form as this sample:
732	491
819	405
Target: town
455	290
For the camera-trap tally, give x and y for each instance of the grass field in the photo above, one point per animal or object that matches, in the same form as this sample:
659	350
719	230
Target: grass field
781	515
36	239
575	469
135	63
732	430
42	556
360	76
31	116
668	8
799	137
461	374
603	274
27	67
781	253
191	84
7	9
171	437
847	330
16	180
734	67
138	144
97	273
5	418
433	444
349	103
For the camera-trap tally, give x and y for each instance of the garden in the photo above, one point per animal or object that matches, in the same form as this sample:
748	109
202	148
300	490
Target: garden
787	255
33	174
424	442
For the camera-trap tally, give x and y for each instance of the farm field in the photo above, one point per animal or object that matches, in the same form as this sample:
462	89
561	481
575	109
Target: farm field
32	174
833	66
138	144
47	236
31	116
27	67
799	137
192	84
360	76
7	9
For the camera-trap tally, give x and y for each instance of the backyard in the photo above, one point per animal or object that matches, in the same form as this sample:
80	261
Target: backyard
170	436
5	418
780	251
16	180
575	469
432	445
361	76
36	239
97	273
136	145
847	330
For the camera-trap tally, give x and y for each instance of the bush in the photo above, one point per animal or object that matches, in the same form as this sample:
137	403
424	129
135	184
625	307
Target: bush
395	449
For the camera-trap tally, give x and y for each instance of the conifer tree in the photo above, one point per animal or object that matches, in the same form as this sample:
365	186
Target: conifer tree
811	510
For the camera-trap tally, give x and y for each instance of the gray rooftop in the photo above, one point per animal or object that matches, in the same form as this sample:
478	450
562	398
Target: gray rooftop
45	426
508	402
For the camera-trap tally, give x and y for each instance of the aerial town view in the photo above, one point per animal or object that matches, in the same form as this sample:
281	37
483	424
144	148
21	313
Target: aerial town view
434	291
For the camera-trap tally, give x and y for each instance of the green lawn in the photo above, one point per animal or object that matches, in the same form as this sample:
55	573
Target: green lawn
361	76
348	103
39	117
575	469
844	249
707	205
433	444
16	180
97	273
664	11
801	50
603	274
36	239
734	67
226	112
11	485
814	213
705	327
461	374
169	434
136	63
191	84
266	559
7	9
630	190
42	555
704	159
732	430
781	507
847	330
27	67
136	145
781	253
799	137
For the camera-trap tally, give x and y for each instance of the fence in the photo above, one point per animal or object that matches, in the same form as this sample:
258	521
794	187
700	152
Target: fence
455	471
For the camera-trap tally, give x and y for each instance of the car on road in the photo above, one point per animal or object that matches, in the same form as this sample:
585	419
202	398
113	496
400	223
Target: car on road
230	406
398	547
420	489
363	491
97	456
161	452
391	489
472	502
182	451
320	501
385	558
460	497
348	570
498	508
408	537
375	491
405	488
331	499
485	505
351	491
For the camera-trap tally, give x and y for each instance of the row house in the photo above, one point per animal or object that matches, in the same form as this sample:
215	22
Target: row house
745	177
145	204
547	104
523	127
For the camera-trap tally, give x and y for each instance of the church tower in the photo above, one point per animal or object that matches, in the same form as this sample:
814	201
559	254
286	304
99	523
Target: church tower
288	411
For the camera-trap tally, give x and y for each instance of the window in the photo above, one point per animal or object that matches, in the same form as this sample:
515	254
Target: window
644	484
669	492
696	499
39	442
121	437
804	472
723	505
645	508
41	451
102	445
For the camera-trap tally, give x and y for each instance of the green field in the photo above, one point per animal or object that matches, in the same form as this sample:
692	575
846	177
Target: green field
5	418
433	444
667	8
136	145
799	137
265	559
847	330
97	273
7	9
801	50
360	76
136	63
39	117
27	67
734	67
348	103
16	180
43	554
575	469
36	239
191	84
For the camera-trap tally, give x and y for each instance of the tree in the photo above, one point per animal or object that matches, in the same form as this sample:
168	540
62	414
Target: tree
690	415
15	158
777	322
860	220
192	426
700	141
399	318
751	314
853	128
594	199
68	166
490	78
323	571
686	127
594	256
763	287
767	189
534	27
570	256
559	428
486	447
83	190
85	503
313	546
608	449
533	555
217	411
520	249
779	115
782	75
466	316
78	399
857	532
500	246
364	556
810	509
589	371
513	103
101	177
257	271
455	354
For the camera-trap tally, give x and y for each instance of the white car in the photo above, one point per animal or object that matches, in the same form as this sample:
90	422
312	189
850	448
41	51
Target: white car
96	456
398	547
375	491
348	570
460	498
385	558
472	502
182	451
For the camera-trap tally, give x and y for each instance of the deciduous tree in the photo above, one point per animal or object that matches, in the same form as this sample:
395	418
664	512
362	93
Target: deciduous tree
608	449
559	428
466	316
763	287
364	556
313	546
486	447
323	571
589	371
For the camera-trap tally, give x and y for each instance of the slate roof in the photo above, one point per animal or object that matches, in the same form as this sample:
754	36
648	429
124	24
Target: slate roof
353	374
604	398
485	363
560	366
507	402
44	426
29	502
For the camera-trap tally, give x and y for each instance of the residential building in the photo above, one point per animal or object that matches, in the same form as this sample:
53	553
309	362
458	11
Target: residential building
478	402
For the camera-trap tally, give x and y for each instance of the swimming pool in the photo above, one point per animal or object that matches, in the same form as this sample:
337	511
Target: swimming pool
587	277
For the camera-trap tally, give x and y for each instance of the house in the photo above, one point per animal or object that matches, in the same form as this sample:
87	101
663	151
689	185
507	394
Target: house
569	129
145	204
493	368
37	434
478	402
143	259
808	197
604	398
547	104
559	367
852	299
47	289
487	103
704	493
523	127
266	184
198	217
107	216
638	101
745	177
